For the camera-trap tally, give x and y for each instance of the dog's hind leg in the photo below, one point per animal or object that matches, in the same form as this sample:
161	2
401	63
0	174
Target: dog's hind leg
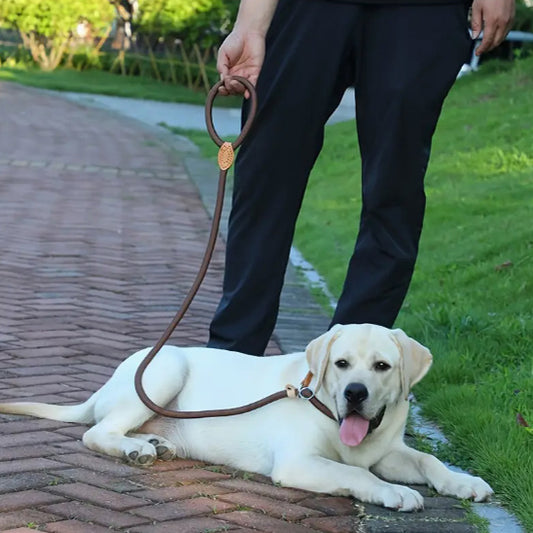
109	438
120	412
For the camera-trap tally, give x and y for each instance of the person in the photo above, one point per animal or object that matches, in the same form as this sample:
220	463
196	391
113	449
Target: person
402	57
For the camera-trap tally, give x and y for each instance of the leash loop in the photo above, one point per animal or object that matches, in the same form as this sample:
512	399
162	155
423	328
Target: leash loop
209	112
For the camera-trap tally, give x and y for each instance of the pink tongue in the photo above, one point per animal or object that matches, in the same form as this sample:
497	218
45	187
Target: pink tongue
353	430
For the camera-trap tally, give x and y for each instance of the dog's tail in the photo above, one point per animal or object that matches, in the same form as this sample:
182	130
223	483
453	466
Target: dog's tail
82	413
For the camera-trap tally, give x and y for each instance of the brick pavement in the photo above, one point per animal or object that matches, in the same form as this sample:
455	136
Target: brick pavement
102	232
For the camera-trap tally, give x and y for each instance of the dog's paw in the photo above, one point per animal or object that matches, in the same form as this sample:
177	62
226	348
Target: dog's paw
401	498
465	487
166	451
138	452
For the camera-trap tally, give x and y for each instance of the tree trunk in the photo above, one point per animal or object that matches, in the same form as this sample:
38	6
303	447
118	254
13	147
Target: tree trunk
47	55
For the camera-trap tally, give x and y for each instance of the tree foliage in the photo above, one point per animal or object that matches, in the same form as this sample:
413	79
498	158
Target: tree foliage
48	26
193	21
524	16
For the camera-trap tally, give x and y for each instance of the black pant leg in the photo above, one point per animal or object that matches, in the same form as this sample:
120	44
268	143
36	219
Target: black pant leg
306	70
408	58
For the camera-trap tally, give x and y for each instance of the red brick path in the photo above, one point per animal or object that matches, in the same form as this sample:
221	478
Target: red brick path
102	234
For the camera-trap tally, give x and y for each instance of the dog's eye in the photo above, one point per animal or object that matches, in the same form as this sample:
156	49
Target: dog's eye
381	366
341	363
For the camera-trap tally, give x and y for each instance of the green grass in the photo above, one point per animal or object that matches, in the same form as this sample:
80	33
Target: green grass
475	313
99	82
472	311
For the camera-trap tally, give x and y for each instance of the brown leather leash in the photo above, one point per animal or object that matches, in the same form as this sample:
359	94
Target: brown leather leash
225	160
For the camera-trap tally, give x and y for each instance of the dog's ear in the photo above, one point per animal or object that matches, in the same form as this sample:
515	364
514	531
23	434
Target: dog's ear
415	360
318	351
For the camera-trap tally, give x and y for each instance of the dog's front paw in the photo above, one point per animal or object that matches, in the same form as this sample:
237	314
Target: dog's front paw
466	487
401	498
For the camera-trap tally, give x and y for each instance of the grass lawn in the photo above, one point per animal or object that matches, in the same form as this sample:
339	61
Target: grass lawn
472	293
99	82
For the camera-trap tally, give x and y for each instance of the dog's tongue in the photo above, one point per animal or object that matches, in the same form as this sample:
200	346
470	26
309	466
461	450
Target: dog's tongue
353	430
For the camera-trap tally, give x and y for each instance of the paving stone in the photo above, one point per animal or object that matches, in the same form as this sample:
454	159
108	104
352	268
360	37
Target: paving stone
331	505
13	453
182	492
179	477
27	498
263	522
86	512
336	524
21	518
98	463
20	530
26	481
98	496
184	508
265	489
98	479
271	507
34	464
74	526
188	525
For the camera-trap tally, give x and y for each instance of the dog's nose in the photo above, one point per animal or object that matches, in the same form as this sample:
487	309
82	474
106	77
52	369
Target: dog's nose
356	393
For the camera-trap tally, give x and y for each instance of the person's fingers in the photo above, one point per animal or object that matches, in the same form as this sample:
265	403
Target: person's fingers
223	69
499	36
506	23
222	64
489	31
239	57
495	18
476	20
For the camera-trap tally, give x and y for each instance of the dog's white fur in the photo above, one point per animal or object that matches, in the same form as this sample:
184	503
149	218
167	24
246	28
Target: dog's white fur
288	440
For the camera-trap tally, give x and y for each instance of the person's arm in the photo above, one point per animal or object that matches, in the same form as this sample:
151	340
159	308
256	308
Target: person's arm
495	18
243	50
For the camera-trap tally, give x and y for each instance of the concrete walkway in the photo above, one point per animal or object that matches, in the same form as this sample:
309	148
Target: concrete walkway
188	116
102	232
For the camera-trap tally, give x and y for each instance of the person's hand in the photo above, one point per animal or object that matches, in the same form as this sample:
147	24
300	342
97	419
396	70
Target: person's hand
241	54
495	18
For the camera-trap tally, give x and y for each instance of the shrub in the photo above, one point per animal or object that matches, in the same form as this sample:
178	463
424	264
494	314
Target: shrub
47	27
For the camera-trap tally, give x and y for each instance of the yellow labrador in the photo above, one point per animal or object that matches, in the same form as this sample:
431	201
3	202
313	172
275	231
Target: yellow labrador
363	373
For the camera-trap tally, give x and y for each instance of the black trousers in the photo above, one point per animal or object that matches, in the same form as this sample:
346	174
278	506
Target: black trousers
402	61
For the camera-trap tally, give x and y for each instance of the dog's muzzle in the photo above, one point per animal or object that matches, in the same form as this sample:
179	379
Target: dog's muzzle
354	427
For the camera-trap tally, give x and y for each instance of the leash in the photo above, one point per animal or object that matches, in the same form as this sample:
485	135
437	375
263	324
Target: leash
225	160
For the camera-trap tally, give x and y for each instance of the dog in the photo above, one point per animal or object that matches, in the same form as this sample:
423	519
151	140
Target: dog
363	373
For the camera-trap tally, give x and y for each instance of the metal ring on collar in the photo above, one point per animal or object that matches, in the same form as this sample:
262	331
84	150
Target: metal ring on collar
306	393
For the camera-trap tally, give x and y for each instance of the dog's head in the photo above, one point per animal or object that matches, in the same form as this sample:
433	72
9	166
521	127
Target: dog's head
365	368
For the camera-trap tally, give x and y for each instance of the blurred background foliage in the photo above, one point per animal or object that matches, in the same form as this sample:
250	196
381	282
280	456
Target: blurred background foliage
170	40
173	41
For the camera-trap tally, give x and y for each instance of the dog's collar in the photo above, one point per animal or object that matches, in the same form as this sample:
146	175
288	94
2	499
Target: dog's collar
305	392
